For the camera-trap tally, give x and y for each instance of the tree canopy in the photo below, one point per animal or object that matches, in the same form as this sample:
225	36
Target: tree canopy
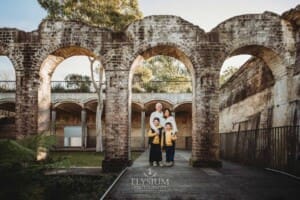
114	14
162	74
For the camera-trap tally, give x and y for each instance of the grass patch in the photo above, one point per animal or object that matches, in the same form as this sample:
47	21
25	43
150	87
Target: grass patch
81	159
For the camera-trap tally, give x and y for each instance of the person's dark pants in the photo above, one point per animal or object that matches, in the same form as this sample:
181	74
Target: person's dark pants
170	152
155	153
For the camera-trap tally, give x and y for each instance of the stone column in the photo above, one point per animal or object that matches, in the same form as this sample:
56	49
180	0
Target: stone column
53	121
205	134
117	121
84	127
143	128
26	100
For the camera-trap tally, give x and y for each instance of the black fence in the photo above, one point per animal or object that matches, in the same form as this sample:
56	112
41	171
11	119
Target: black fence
276	148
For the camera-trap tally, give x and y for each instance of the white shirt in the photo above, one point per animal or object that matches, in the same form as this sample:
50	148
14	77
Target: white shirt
171	119
159	115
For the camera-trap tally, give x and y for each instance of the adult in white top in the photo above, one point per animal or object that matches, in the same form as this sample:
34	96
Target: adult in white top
169	118
157	113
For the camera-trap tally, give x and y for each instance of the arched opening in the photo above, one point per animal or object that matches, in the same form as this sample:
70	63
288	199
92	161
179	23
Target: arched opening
252	102
183	113
138	128
247	82
7	98
68	129
90	107
71	77
160	91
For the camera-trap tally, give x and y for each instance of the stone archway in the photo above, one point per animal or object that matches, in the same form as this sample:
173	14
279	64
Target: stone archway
279	72
46	70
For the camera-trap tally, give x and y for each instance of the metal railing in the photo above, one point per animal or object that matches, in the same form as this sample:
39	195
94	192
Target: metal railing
7	86
276	148
87	87
72	86
162	87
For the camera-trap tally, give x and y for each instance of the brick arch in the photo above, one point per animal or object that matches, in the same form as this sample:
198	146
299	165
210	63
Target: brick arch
56	55
70	101
178	106
260	35
13	57
274	60
149	49
64	51
137	106
90	100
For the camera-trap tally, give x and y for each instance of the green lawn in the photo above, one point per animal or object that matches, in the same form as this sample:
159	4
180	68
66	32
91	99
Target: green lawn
80	159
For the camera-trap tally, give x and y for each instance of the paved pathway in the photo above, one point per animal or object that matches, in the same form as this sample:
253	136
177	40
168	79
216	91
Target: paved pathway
232	182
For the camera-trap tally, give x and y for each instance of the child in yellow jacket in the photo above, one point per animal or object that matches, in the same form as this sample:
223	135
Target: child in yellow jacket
155	137
169	138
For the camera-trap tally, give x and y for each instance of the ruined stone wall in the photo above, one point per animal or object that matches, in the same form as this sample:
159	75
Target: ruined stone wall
268	36
246	97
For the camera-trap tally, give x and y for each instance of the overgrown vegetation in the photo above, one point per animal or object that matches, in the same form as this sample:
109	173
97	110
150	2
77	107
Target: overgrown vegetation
22	176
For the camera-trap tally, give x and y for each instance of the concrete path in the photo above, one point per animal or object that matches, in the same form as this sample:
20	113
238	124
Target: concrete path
232	182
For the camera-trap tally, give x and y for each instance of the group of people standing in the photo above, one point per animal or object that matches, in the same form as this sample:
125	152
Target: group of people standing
162	136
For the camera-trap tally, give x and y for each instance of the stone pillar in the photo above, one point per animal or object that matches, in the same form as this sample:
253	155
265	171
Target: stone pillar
117	121
53	121
84	127
26	100
205	134
143	129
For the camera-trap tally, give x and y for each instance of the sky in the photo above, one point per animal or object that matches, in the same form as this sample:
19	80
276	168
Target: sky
207	14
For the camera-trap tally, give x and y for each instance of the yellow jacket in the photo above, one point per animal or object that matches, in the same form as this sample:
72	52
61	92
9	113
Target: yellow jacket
169	137
156	138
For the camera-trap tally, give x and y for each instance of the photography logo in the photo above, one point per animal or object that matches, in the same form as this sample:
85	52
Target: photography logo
150	181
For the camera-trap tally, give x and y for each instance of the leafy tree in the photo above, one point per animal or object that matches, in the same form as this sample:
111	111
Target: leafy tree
114	14
226	74
78	82
168	75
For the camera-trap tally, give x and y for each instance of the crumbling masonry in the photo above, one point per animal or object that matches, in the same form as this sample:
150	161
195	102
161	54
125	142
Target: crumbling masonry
273	38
